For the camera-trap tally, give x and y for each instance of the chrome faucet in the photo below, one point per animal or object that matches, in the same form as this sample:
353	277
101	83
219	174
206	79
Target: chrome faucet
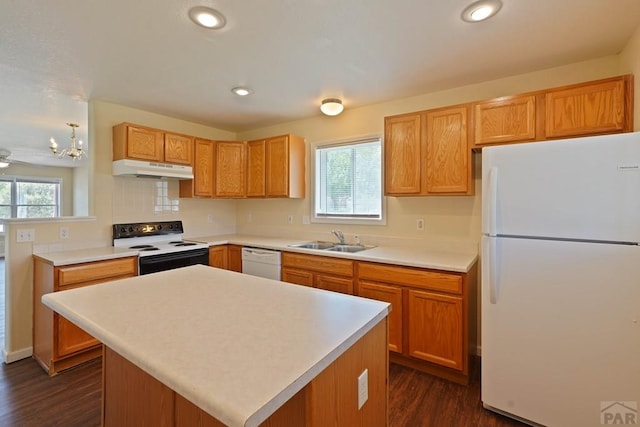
339	236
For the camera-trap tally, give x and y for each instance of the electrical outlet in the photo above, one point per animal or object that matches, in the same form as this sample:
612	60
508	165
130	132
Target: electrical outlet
290	219
363	388
420	224
64	232
25	235
210	218
249	217
305	219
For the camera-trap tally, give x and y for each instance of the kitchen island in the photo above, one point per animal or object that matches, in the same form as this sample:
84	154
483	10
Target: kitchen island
213	347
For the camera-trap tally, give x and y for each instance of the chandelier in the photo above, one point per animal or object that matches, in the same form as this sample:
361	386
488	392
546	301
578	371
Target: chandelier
74	151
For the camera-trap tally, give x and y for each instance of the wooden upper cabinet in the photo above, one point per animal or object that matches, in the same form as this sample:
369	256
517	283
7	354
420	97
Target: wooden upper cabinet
202	183
506	119
403	151
448	156
138	143
256	163
276	167
230	169
178	149
153	145
603	106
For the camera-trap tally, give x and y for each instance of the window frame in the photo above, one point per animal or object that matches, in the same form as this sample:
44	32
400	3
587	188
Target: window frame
14	180
313	178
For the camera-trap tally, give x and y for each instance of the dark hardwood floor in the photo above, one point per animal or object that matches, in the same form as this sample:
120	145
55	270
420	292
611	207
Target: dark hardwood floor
30	398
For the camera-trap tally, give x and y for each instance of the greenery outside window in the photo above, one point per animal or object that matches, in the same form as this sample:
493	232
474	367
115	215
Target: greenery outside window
29	198
348	182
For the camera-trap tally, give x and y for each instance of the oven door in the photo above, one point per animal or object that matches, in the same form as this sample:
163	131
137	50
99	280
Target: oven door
154	263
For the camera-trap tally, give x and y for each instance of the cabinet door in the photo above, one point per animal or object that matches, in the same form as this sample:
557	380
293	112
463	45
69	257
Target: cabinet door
448	152
392	295
178	149
203	168
402	154
218	257
70	338
145	144
507	119
230	169
436	328
234	262
277	150
256	173
333	283
299	277
590	108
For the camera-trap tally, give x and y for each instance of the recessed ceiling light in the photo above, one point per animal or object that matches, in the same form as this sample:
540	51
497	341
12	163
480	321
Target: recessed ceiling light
481	10
241	91
207	17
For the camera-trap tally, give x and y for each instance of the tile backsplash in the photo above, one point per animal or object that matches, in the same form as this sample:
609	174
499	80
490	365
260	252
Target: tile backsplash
143	199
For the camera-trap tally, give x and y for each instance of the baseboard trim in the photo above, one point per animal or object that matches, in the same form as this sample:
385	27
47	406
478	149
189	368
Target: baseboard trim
14	356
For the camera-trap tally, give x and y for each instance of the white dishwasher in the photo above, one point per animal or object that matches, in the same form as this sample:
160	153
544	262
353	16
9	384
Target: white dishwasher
261	263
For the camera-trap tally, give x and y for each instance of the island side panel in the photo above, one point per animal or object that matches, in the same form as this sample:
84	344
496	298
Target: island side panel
131	397
333	394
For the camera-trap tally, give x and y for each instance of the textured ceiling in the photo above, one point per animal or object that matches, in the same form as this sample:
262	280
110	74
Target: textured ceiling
148	54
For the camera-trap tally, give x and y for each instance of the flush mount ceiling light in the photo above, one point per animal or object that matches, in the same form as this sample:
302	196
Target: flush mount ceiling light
331	106
481	10
207	17
242	91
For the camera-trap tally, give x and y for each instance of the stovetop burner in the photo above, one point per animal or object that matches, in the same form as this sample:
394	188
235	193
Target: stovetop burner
154	238
140	246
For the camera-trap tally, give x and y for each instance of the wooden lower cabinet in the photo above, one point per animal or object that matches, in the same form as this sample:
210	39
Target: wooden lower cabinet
331	274
57	343
218	256
435	328
234	259
393	295
429	321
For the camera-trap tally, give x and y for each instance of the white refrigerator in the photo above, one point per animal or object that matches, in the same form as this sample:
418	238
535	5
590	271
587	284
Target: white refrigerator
561	281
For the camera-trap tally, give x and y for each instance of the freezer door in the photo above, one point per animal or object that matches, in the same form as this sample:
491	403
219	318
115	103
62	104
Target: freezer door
582	188
561	338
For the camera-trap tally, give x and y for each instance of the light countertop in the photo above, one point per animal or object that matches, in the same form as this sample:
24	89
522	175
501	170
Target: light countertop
85	255
416	256
408	256
237	346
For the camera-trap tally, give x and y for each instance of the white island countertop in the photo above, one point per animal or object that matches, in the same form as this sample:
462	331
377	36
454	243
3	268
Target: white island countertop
235	345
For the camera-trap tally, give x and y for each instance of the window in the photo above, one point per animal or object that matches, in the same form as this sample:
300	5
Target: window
348	182
29	198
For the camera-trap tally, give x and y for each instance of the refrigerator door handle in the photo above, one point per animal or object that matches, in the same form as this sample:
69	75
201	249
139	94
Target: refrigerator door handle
491	260
490	203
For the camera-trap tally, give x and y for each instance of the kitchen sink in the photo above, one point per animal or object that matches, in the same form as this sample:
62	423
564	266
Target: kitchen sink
348	248
329	246
314	245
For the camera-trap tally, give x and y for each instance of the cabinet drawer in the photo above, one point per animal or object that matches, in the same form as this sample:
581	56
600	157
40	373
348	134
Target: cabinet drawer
298	277
335	284
447	282
96	272
322	264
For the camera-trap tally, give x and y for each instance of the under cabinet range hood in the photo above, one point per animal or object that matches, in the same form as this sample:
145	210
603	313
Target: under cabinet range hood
140	169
